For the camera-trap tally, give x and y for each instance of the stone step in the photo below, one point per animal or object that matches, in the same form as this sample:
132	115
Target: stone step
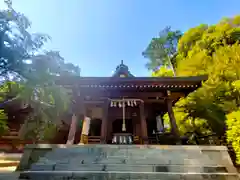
128	147
123	163
90	160
158	161
126	150
9	176
135	154
137	168
119	175
86	159
127	162
10	156
9	162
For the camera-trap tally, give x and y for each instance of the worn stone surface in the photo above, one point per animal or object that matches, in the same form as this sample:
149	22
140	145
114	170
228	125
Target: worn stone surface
131	162
77	175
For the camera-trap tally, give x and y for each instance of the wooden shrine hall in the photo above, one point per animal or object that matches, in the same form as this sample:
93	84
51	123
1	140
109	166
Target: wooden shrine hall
124	109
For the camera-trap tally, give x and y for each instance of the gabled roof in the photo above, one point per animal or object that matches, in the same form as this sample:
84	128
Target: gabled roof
122	71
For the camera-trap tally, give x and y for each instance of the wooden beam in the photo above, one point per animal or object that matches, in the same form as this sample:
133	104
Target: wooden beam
93	102
172	119
154	101
104	122
162	101
98	93
143	124
176	95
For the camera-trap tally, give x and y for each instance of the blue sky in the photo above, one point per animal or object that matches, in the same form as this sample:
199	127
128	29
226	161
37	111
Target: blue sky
98	34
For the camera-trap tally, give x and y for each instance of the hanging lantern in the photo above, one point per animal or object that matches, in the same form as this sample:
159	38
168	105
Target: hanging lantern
111	105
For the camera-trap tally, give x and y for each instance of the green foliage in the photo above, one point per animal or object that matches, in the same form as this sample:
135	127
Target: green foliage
29	75
218	95
198	45
187	122
233	133
213	51
3	122
161	50
16	43
163	71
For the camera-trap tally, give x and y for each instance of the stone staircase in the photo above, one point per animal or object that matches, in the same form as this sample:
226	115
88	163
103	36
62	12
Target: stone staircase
8	164
9	161
118	162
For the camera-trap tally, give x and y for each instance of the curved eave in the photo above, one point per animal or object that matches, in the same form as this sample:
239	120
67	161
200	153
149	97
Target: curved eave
129	81
143	87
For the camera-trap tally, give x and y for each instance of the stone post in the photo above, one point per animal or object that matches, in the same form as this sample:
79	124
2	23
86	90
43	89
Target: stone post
72	130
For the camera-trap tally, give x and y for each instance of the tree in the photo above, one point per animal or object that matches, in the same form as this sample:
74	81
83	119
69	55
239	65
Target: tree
163	71
16	44
213	51
233	124
198	45
34	73
162	50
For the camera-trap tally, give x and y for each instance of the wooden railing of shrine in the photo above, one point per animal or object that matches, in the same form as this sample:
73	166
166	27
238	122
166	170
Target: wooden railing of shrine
152	140
94	139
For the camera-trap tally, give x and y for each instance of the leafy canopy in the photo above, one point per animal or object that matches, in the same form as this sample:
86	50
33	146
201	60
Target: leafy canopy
214	51
162	49
211	50
28	74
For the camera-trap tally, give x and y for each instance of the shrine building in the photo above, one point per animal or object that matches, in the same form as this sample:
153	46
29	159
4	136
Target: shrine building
124	109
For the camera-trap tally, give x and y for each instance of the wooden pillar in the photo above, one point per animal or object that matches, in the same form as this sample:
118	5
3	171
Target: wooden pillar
76	103
143	124
174	127
109	128
104	122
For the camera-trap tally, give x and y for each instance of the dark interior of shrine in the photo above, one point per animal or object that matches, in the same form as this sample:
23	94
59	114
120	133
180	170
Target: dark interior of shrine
95	127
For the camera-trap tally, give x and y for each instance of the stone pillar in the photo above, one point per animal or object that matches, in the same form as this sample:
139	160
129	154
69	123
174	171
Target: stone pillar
143	124
77	106
72	129
104	124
